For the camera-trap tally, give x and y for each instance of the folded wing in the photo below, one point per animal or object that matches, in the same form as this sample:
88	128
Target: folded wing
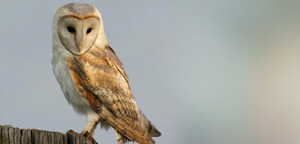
99	76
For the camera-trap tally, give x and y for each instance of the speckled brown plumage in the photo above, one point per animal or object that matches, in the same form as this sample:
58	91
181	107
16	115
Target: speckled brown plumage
99	76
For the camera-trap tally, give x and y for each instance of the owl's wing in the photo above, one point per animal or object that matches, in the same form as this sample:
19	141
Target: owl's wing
116	62
100	77
102	73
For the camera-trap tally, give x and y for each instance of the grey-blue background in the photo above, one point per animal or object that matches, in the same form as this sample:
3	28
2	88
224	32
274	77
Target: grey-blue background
204	72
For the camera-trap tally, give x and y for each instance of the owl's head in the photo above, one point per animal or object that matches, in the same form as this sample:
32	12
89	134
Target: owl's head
77	27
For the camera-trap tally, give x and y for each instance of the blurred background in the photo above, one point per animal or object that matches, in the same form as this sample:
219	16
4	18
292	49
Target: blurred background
204	72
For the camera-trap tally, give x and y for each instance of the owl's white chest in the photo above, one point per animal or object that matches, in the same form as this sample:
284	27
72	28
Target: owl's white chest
62	74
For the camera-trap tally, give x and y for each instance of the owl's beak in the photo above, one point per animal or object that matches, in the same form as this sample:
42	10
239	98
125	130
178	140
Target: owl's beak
80	40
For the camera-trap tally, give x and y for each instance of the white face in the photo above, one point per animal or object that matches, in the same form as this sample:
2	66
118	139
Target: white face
78	35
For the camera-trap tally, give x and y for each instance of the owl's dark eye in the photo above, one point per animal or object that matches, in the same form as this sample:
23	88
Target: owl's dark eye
71	29
88	30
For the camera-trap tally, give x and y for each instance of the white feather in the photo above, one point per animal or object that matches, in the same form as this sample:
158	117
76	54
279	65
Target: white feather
62	73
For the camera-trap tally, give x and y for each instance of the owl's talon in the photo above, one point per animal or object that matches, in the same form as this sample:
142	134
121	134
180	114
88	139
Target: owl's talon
85	134
88	136
72	132
91	138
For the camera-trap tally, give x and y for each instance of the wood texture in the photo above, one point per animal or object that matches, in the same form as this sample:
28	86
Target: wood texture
11	135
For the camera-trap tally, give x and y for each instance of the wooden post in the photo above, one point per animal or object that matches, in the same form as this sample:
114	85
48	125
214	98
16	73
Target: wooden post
11	135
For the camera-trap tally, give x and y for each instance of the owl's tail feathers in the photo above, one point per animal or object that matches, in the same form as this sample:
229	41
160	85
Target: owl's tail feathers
127	127
154	132
149	126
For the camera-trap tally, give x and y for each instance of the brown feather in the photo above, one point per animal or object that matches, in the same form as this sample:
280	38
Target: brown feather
99	76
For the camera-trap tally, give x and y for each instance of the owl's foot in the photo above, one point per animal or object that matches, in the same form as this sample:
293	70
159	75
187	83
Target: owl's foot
89	136
85	134
91	139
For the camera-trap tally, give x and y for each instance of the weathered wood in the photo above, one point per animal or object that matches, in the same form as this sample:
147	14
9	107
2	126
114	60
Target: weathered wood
39	136
4	135
16	135
56	138
0	134
11	135
25	136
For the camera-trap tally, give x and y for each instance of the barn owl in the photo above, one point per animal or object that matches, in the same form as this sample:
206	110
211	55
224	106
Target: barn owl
92	77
